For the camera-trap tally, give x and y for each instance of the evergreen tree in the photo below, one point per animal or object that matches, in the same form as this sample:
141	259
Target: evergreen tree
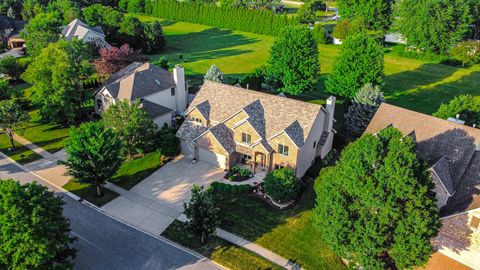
319	34
294	66
94	154
214	74
375	207
434	25
133	125
360	62
33	232
364	106
153	37
202	213
56	77
306	13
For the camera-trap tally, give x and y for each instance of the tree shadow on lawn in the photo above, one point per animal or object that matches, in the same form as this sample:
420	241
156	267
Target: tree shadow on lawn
428	99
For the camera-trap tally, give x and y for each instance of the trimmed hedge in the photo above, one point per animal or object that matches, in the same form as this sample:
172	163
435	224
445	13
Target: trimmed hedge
231	189
233	18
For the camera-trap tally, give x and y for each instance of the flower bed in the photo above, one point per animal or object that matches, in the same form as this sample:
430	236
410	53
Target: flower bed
238	174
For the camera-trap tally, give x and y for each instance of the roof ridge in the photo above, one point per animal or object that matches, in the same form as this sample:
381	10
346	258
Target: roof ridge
266	94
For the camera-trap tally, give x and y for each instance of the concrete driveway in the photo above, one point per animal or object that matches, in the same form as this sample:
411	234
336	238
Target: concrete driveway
158	200
171	184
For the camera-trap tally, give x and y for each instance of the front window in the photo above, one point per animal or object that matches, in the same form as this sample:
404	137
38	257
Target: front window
246	138
172	91
246	158
283	149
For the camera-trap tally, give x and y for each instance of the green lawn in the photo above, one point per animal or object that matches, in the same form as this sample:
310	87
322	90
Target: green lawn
21	155
89	193
413	84
290	233
133	171
46	135
218	250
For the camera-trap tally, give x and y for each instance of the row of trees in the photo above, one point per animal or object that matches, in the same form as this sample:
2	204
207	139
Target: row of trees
429	25
122	29
234	18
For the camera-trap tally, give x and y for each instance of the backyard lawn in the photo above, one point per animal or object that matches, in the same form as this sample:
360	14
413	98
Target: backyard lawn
290	233
414	84
220	251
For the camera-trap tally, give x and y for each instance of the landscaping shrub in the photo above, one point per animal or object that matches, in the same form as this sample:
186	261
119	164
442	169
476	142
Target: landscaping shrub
168	142
244	172
282	185
136	6
255	21
319	34
255	80
219	187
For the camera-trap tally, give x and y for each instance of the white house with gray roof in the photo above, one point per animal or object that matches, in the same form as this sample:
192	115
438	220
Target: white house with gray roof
77	29
162	94
227	125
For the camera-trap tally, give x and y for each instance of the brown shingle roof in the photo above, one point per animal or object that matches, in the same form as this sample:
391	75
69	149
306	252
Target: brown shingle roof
437	138
269	114
138	80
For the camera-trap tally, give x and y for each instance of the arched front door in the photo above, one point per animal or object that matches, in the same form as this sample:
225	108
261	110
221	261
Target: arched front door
260	162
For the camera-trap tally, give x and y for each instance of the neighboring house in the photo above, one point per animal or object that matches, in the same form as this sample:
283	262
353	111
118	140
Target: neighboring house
227	125
10	32
395	38
161	94
90	35
452	151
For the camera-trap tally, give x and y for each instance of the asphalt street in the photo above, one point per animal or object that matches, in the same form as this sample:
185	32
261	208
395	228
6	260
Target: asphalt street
105	243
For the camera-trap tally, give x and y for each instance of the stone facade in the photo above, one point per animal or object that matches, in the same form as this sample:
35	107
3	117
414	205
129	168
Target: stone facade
278	159
196	114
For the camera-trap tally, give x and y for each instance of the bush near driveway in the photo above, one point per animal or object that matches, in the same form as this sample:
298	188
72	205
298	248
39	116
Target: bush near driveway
282	185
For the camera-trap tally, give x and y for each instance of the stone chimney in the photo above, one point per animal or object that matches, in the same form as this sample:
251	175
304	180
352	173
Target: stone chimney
330	108
181	91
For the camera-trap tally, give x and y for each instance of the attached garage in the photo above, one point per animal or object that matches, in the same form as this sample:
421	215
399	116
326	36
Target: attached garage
214	159
188	149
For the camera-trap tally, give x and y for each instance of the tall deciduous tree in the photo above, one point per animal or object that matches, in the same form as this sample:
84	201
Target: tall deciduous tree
214	74
375	207
133	125
360	62
56	76
153	37
364	106
68	9
12	118
113	59
293	64
434	25
377	14
94	154
467	107
202	213
42	30
34	234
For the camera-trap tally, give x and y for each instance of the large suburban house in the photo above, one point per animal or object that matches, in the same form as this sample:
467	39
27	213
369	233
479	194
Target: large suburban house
227	125
452	151
161	94
77	29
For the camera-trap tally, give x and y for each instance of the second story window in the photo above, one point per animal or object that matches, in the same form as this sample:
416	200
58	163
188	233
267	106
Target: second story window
246	138
283	149
172	91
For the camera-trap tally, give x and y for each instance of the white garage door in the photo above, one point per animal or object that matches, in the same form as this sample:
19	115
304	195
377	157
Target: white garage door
214	159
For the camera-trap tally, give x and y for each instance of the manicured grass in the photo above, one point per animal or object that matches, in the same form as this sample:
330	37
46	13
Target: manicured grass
133	171
414	84
289	233
89	193
218	250
28	155
48	136
197	47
